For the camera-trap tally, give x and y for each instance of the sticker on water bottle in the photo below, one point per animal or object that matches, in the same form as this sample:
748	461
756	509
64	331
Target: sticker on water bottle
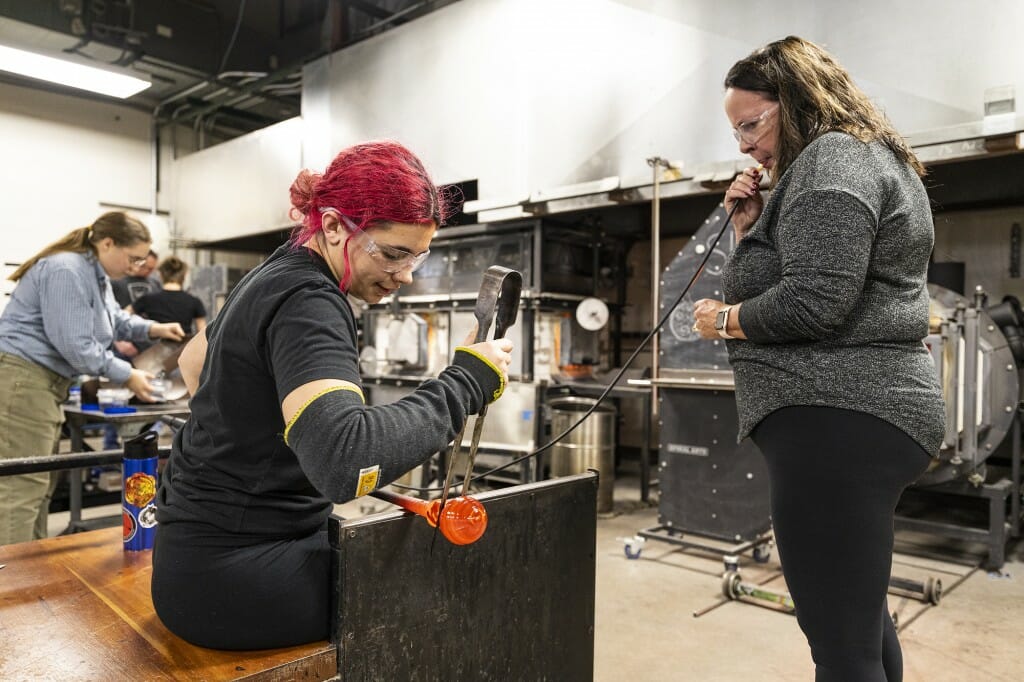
140	489
147	517
128	525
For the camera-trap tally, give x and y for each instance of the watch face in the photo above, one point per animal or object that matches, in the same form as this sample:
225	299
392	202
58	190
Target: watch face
720	318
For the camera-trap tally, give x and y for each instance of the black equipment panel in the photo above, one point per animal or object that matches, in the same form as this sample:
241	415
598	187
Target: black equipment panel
552	259
569	259
709	485
472	255
516	605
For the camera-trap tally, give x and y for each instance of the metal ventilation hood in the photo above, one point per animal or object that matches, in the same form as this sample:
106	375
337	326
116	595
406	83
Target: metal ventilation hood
978	164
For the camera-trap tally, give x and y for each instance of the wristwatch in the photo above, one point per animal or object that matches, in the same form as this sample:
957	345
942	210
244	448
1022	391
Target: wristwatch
722	323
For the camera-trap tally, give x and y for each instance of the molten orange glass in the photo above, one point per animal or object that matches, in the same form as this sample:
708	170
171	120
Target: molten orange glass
463	520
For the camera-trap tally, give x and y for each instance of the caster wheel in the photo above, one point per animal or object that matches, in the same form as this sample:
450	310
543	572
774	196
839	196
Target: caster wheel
731	584
762	554
933	591
633	547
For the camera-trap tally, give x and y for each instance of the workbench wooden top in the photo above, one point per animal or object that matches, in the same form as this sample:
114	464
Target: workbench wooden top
78	607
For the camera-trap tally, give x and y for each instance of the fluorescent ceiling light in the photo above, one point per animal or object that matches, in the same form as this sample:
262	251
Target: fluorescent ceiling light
68	73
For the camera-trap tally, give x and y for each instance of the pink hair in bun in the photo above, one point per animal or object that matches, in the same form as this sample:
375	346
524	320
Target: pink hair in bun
301	193
370	183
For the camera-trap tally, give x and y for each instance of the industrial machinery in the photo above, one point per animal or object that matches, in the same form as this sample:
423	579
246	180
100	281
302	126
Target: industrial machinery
409	338
980	384
978	354
711	487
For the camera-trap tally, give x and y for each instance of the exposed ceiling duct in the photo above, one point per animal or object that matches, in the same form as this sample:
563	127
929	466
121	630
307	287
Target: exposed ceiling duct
221	67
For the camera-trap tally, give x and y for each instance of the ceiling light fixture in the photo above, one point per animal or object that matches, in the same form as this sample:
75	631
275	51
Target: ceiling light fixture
69	73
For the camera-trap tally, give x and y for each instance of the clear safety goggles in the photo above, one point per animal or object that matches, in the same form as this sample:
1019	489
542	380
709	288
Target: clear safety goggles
390	259
747	132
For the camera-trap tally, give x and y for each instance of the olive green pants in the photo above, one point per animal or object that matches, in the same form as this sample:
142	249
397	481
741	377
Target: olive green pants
30	421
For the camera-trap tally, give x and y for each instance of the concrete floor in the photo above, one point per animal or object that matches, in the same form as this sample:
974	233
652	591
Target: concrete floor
646	629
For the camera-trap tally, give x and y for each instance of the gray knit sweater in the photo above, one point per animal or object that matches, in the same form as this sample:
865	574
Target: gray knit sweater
832	278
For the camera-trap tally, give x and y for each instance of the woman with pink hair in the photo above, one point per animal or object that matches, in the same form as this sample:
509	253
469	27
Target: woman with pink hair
279	430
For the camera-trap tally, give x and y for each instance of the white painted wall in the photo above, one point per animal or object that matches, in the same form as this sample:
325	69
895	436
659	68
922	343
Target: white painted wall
62	158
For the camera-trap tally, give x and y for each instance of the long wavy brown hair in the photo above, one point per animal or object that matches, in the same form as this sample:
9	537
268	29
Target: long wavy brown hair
816	96
120	227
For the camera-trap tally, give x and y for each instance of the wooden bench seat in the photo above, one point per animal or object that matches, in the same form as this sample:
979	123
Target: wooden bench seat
78	607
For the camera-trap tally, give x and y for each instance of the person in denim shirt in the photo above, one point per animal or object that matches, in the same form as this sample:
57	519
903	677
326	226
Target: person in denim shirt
59	323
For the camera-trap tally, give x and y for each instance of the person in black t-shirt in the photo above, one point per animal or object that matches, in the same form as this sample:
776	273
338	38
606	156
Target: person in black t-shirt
279	430
127	289
172	304
140	282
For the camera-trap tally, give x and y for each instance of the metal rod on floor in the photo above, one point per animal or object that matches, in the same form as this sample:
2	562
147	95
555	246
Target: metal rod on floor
724	600
901	625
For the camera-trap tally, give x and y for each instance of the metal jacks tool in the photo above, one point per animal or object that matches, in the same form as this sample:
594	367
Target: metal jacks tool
497	304
733	587
928	590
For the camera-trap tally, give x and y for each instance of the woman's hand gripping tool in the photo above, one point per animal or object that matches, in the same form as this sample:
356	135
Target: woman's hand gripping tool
497	303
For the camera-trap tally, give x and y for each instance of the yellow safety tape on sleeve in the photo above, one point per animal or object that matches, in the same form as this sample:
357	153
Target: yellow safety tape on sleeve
347	387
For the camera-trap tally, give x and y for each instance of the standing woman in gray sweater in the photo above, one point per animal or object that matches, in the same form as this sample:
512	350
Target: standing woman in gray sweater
825	310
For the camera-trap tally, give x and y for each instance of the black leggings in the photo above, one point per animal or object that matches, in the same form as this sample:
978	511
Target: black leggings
225	592
836	476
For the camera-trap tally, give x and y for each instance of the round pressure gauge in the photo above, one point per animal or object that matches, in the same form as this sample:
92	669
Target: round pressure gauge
592	314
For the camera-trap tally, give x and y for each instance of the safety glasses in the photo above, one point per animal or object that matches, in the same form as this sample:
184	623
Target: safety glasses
390	259
747	132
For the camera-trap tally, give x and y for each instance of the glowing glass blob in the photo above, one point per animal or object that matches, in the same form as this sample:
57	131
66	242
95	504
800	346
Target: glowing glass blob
462	522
